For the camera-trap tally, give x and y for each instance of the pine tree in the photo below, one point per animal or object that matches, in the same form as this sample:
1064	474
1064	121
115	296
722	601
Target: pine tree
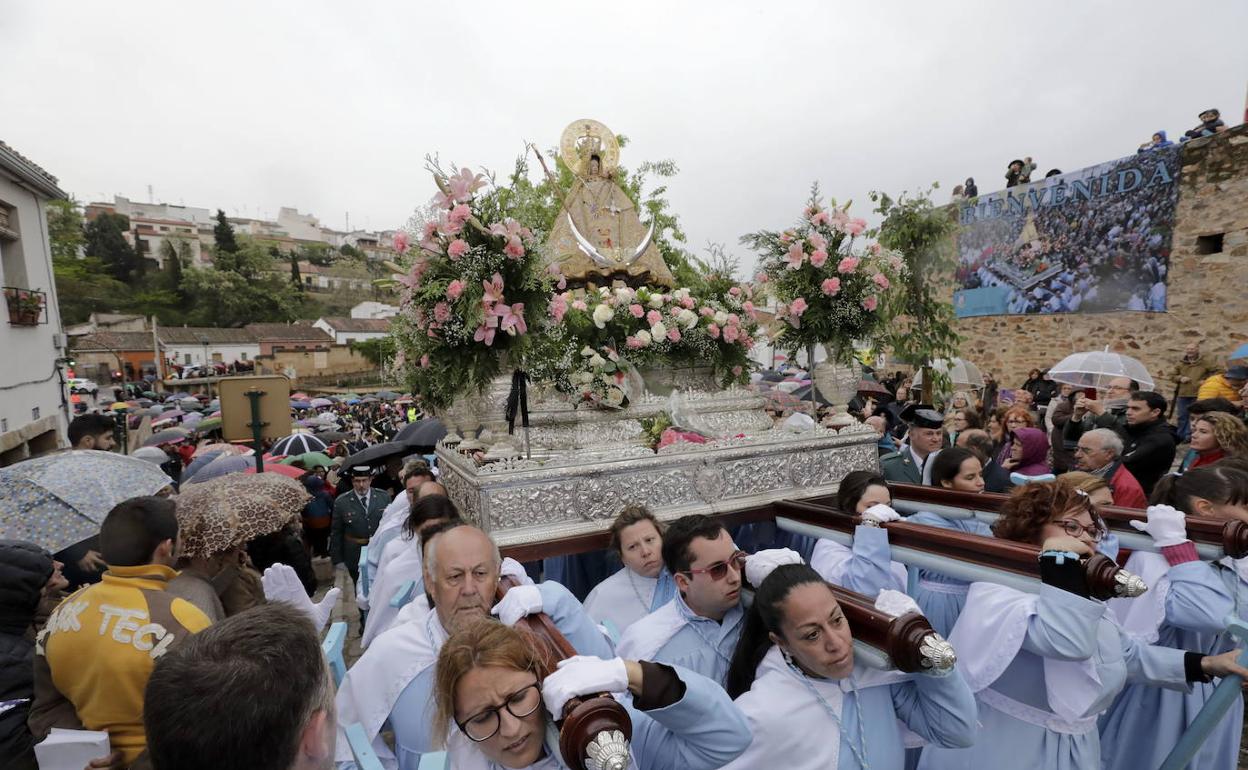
223	233
106	240
295	276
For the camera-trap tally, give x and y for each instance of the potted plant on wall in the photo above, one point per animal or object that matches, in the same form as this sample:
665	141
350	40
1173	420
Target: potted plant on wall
25	306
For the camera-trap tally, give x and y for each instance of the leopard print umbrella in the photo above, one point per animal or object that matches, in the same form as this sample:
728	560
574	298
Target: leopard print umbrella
228	511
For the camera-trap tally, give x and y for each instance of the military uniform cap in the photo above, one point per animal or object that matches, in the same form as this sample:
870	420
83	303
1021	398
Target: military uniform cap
923	416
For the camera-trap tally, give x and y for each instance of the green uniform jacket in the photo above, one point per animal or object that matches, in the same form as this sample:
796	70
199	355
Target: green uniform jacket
900	467
350	518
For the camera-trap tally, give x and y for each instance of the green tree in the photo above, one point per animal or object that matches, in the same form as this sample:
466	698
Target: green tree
249	259
172	258
106	241
295	276
84	285
228	298
223	234
347	250
319	254
378	351
65	229
921	328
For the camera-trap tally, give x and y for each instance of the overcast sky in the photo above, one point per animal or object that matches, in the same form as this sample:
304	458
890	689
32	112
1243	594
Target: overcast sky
330	107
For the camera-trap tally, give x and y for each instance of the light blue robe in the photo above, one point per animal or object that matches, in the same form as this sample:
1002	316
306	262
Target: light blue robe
674	635
1144	723
939	596
865	568
793	731
704	730
411	717
1065	627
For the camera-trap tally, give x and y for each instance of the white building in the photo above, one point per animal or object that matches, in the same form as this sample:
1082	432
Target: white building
371	309
33	406
198	345
348	330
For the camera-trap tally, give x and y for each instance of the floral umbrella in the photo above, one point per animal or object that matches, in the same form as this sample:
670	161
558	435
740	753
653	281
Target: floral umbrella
60	499
226	512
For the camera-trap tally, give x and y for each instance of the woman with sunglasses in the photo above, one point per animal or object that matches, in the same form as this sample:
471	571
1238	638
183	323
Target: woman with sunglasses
811	706
1186	608
868	566
1044	666
499	705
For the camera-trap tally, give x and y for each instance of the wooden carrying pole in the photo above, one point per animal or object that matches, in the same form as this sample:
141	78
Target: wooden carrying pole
583	719
1105	579
908	640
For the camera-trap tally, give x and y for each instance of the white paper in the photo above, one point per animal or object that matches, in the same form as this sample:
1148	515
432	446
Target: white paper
71	749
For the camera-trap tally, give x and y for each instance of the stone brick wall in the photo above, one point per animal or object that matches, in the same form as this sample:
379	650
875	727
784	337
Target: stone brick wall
1207	292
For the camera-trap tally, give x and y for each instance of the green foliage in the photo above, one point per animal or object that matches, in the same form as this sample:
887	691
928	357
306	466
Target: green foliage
346	250
652	428
320	254
249	259
296	277
223	233
224	297
922	319
84	286
106	241
378	351
65	229
174	253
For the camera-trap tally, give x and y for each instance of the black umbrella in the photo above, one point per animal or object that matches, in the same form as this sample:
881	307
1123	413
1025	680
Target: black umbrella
332	436
771	375
424	433
386	395
803	394
378	454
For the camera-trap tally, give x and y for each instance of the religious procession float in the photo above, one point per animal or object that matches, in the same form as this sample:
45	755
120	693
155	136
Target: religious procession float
576	377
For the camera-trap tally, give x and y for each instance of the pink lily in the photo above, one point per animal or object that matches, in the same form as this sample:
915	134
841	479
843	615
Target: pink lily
493	291
511	318
796	256
485	332
464	184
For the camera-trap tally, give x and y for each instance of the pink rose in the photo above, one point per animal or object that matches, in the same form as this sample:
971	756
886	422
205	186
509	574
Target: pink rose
706	312
673	334
457	249
431	229
735	291
637	310
454	289
441	312
713	330
819	258
580	305
881	280
869	303
748	307
855	226
796	256
875	248
734	319
732	333
514	250
653	317
847	265
831	286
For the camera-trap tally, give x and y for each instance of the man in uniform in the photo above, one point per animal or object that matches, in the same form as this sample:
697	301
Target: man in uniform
911	464
357	512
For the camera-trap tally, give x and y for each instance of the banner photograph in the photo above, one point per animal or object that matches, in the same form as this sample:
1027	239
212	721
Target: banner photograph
1089	241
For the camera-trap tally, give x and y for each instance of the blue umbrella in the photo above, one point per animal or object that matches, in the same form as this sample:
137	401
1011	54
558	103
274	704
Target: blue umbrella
60	499
300	404
1240	352
223	466
199	463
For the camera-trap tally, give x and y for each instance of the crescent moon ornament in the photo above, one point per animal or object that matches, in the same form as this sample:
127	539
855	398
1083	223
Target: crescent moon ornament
588	249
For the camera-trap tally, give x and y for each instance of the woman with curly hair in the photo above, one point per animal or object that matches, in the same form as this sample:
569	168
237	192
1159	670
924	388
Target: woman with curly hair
1044	666
1215	435
1185	608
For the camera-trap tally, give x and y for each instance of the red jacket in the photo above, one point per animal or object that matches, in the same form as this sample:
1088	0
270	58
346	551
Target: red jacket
1127	491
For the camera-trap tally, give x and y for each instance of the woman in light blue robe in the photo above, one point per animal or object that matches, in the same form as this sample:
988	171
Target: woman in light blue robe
1186	608
1044	666
867	566
811	707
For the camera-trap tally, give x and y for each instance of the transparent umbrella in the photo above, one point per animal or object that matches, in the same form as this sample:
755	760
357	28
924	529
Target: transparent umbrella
961	373
1095	368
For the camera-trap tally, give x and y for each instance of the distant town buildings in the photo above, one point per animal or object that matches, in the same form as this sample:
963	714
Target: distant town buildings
348	330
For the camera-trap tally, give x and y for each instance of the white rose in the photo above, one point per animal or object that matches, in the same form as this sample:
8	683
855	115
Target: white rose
687	318
656	301
643	337
680	294
721	317
602	314
597	360
588	351
658	331
615	396
624	294
604	292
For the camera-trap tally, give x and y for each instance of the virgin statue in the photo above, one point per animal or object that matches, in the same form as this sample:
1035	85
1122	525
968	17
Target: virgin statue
598	236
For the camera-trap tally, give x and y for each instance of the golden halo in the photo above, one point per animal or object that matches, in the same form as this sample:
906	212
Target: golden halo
581	136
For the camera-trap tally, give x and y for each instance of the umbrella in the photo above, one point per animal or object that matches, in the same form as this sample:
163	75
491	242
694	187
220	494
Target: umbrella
191	418
321	402
172	414
208	424
306	423
280	469
377	454
167	436
145	402
223	465
1240	352
386	395
333	436
867	387
427	432
300	396
177	396
326	418
404	400
199	463
220	448
223	513
771	375
299	443
961	373
370	400
1095	368
803	394
310	460
60	499
300	404
351	396
150	394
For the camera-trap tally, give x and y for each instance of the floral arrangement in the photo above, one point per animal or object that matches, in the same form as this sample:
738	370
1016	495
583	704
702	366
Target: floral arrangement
826	291
470	295
596	338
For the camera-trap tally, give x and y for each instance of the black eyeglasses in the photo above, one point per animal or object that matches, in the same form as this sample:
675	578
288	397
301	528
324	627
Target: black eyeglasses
484	725
1073	528
718	571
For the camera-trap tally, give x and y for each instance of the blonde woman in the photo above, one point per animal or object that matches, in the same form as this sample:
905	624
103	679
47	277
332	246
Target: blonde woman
1215	435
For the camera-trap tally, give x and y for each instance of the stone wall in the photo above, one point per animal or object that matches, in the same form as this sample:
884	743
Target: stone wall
1207	292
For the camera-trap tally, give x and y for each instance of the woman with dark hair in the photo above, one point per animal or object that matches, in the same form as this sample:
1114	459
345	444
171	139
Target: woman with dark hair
868	566
497	704
960	420
1190	601
1044	666
642	585
810	705
939	596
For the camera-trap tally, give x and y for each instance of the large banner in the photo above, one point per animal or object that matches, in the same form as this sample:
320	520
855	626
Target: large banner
1090	241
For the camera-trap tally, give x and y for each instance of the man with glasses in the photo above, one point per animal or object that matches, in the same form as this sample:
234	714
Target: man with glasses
699	627
1098	453
393	681
1109	411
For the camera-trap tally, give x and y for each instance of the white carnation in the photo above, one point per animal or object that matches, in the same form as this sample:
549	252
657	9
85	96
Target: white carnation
602	314
658	331
687	318
656	301
643	337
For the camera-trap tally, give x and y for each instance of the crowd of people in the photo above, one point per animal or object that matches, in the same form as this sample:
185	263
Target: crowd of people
726	646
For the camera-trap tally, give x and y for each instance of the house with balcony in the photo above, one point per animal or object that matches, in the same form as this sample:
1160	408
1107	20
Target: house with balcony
34	409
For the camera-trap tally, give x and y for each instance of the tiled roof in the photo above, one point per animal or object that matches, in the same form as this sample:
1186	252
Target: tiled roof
342	324
29	171
288	333
120	341
195	335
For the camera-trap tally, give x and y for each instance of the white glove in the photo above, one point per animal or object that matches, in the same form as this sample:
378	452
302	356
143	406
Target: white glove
895	603
281	584
758	566
340	569
517	603
582	675
1166	525
515	570
880	513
